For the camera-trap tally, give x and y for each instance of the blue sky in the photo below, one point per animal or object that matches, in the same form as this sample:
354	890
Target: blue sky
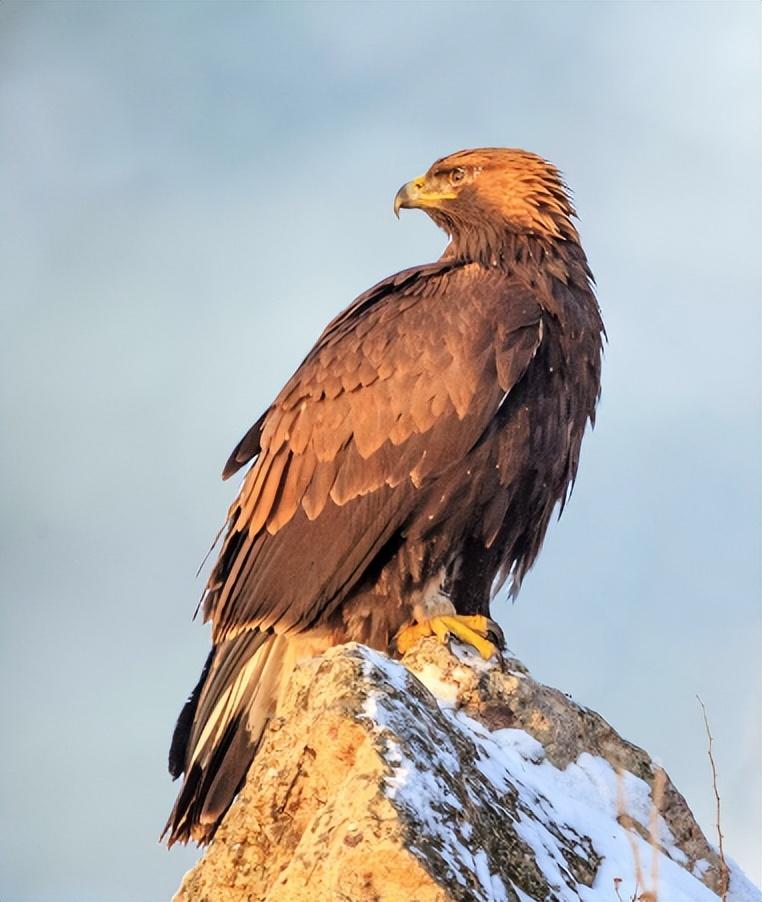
189	192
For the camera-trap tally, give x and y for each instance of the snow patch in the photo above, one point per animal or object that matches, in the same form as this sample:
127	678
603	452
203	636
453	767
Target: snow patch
574	808
445	691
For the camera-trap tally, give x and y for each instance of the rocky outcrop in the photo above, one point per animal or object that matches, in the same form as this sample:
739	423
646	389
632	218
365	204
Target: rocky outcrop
444	778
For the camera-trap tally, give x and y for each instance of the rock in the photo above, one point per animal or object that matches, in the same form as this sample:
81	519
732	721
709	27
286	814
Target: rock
444	778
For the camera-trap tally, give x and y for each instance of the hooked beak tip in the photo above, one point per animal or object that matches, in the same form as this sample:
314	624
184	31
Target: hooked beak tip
398	202
406	196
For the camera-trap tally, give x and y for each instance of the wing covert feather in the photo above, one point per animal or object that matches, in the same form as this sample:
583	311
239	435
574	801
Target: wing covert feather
398	388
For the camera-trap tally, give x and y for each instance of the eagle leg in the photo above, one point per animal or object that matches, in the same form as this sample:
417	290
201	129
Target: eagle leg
473	629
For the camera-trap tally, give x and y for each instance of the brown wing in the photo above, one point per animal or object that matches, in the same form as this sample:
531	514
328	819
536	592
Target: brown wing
398	388
249	446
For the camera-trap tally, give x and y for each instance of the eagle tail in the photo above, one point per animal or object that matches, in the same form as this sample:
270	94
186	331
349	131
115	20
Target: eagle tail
219	729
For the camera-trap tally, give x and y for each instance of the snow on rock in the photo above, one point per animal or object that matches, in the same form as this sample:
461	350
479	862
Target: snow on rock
447	778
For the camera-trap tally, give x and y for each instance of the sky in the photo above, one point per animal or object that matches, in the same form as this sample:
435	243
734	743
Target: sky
188	193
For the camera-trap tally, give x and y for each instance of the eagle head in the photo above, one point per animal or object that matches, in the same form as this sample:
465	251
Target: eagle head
480	196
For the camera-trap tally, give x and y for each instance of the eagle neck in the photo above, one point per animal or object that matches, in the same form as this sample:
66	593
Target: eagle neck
536	258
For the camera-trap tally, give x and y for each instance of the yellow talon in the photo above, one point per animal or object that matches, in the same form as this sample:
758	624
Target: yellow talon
410	635
470	629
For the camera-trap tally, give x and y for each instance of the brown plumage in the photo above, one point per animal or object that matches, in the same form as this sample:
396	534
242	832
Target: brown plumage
421	446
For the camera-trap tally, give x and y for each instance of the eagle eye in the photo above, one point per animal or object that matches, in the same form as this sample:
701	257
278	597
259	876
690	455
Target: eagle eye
457	175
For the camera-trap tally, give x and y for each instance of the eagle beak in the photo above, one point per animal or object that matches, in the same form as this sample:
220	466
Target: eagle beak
416	194
409	195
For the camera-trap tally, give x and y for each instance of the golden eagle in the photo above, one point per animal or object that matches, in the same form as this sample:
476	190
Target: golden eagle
409	466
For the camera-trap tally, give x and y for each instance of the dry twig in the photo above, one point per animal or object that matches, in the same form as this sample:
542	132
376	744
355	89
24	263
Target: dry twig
625	820
657	797
724	870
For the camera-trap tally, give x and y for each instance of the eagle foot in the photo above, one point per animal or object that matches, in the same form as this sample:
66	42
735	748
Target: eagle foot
472	629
